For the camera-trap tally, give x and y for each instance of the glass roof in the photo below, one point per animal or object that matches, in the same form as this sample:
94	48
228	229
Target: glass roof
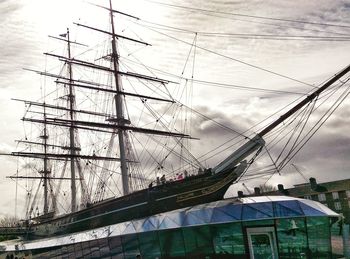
229	210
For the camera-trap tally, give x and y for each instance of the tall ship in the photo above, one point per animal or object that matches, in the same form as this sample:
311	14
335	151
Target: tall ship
110	144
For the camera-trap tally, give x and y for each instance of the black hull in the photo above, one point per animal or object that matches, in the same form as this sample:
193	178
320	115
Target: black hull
166	197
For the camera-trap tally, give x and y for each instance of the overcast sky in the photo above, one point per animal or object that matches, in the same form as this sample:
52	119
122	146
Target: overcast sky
26	24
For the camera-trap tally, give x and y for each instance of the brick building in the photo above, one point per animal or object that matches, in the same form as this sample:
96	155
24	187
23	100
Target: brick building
335	195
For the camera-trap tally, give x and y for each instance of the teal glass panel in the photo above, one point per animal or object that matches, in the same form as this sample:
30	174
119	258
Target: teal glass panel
130	246
318	230
78	250
171	243
262	246
228	239
86	249
94	249
198	241
104	248
149	245
115	247
70	251
291	238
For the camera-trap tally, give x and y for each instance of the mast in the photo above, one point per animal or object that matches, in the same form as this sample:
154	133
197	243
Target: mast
45	171
71	99
119	108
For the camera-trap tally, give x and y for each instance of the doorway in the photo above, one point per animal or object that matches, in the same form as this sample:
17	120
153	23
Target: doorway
262	243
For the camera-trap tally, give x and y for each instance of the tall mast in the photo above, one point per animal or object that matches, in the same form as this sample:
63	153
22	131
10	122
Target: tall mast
119	108
45	171
71	99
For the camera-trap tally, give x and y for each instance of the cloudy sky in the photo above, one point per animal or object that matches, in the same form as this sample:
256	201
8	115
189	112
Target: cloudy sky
305	54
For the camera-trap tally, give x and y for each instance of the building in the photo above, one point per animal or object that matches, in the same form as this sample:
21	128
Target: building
253	227
335	195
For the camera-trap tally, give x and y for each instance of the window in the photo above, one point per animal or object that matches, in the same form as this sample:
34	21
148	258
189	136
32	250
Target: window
292	238
335	195
349	203
322	197
308	197
337	205
348	193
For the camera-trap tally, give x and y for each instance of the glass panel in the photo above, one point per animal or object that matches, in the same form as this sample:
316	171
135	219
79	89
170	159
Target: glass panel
78	250
262	246
70	251
291	238
336	237
149	245
94	249
228	239
319	237
198	241
86	249
104	248
130	246
115	246
257	211
287	209
308	210
223	214
171	243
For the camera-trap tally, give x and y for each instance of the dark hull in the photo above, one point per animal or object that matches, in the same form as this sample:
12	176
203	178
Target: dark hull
166	197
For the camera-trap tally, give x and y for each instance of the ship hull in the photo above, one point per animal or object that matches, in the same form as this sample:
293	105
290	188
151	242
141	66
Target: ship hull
165	197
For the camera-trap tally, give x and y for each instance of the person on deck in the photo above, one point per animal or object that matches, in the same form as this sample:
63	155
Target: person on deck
162	179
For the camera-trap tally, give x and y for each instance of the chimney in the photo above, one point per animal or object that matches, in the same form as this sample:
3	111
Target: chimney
313	183
257	191
240	194
280	188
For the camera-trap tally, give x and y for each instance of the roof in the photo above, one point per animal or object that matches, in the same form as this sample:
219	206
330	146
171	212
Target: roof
305	188
224	211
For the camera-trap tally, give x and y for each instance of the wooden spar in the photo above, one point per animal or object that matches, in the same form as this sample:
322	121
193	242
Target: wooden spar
72	42
38	177
122	92
54	155
48	145
56	107
118	12
305	101
113	34
90	124
107	69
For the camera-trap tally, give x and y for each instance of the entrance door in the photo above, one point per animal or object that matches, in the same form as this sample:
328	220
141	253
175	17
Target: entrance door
262	243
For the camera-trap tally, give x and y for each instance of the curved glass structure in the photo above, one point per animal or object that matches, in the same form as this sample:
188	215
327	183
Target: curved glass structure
255	227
